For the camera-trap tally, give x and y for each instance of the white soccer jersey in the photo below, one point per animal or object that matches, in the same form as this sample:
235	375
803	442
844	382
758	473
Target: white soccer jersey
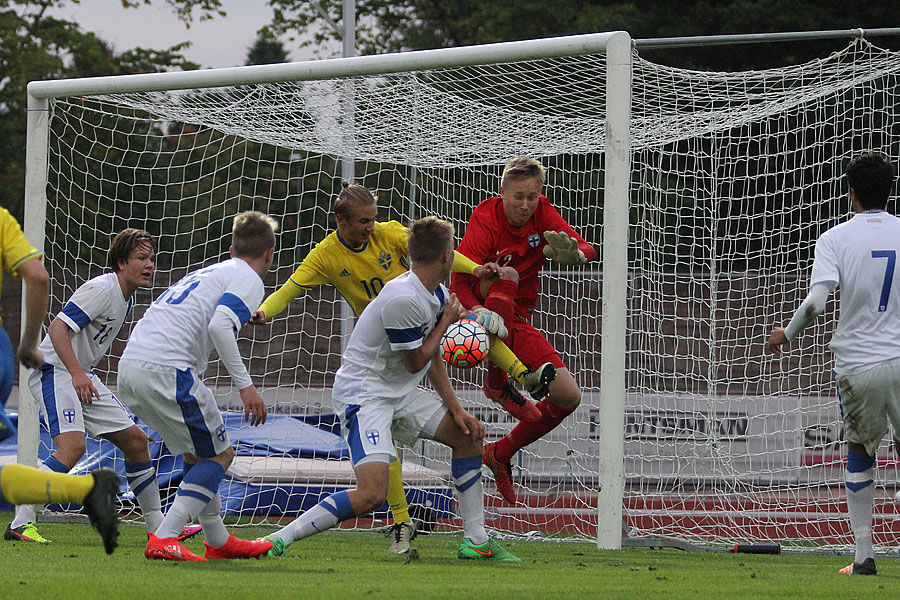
174	330
860	255
397	319
95	313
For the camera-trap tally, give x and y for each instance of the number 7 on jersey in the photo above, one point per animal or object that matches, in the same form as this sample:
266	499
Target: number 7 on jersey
891	256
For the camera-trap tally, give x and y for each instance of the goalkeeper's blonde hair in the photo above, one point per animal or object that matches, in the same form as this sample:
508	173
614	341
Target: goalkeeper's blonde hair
523	167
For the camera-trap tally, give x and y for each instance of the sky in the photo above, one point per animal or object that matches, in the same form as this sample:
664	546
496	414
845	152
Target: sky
220	42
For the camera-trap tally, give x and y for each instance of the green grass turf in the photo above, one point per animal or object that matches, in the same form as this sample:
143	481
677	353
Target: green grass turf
350	565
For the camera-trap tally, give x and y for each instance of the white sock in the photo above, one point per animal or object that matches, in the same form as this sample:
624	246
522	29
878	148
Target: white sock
210	519
321	517
860	485
141	478
470	496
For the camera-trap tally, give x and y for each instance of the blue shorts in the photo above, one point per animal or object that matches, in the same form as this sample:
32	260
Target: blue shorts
6	382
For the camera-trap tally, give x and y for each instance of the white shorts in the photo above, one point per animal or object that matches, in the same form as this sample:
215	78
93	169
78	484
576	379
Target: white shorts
176	404
868	400
370	425
64	412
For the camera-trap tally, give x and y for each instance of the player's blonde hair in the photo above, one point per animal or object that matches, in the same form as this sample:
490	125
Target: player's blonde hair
523	167
127	241
252	234
429	238
351	196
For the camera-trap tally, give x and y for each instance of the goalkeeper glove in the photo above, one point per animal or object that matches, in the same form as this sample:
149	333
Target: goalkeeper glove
491	321
563	249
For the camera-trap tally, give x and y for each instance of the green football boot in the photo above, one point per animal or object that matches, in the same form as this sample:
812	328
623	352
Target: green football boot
490	550
24	533
278	545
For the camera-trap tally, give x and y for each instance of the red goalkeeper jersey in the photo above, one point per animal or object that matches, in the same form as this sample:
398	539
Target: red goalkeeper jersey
490	238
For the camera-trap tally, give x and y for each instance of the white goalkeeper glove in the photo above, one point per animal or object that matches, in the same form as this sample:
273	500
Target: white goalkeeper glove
491	321
563	249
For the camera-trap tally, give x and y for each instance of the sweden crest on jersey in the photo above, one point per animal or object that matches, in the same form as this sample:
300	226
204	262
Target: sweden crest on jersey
384	259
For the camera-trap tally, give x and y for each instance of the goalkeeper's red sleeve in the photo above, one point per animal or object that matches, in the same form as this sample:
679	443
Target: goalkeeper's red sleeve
463	285
590	253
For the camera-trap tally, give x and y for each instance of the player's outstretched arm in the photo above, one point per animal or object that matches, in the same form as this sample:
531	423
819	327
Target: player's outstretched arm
276	302
488	269
254	407
563	249
776	340
491	321
37	294
811	307
463	264
222	331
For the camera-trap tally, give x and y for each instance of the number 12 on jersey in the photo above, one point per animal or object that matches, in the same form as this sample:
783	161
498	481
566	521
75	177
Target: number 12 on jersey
891	256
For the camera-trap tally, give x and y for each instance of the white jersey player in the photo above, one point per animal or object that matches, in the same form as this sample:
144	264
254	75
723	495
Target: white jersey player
75	401
160	380
394	345
860	256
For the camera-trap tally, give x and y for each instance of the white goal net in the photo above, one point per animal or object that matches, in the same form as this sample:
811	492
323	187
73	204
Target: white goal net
733	177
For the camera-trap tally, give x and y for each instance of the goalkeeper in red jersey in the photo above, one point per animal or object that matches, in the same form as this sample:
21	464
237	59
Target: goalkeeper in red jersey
518	230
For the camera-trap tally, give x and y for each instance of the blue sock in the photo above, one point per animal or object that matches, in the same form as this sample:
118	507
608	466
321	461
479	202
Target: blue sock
197	489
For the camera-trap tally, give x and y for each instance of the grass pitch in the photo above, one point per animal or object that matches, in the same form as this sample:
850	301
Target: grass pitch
350	565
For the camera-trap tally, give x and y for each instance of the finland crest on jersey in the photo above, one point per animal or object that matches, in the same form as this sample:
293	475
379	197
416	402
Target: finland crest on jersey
95	313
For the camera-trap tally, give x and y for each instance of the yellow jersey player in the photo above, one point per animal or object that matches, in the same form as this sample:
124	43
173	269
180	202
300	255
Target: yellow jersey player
20	484
358	259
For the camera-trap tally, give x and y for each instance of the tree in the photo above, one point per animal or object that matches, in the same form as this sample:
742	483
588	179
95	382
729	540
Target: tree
396	25
266	50
35	45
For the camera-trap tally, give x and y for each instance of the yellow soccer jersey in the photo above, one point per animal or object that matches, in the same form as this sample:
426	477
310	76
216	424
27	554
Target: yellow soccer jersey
14	248
358	274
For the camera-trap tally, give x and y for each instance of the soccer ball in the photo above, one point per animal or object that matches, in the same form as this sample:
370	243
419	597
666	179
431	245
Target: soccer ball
465	344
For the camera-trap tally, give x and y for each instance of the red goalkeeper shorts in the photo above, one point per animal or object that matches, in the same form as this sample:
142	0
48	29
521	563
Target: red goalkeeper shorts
530	345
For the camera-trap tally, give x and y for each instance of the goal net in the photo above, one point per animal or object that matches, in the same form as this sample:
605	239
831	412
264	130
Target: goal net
733	177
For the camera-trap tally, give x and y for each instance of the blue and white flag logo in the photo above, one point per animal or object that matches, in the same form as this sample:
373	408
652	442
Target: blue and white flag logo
69	414
384	259
373	436
220	433
534	240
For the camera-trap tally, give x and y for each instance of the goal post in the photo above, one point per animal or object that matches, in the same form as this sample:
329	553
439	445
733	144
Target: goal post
147	105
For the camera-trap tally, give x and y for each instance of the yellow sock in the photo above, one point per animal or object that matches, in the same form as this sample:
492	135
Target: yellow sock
396	495
26	485
503	357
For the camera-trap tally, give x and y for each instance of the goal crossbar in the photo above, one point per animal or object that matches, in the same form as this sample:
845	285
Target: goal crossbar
484	54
